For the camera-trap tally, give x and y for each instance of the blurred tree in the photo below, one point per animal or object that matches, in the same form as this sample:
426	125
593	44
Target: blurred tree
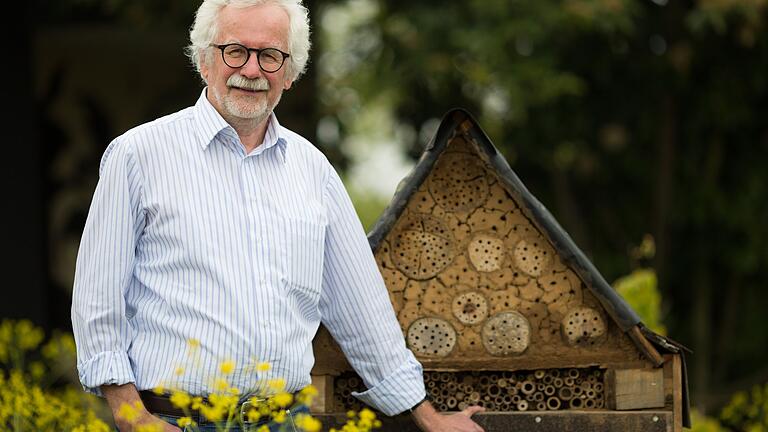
623	116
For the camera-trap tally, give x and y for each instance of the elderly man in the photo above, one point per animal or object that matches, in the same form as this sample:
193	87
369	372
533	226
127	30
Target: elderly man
218	225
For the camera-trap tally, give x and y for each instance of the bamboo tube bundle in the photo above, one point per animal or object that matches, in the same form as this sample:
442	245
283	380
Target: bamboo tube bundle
538	396
549	390
569	381
541	406
539	374
547	379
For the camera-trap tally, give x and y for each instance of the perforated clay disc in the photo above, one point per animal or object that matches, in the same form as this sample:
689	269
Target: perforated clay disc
583	326
470	307
506	333
422	248
486	251
533	256
431	337
458	182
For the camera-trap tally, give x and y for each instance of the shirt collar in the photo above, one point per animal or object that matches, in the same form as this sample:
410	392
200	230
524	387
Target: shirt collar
210	123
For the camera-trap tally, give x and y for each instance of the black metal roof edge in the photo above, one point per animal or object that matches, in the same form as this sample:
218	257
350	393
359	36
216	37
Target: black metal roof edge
616	307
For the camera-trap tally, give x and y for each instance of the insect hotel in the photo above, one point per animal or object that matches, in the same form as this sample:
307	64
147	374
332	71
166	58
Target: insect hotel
504	310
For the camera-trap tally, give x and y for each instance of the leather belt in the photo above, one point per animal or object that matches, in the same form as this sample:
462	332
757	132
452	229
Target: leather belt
161	404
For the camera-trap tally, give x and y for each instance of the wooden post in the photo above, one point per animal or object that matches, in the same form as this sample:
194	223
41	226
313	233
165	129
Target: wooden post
323	402
673	388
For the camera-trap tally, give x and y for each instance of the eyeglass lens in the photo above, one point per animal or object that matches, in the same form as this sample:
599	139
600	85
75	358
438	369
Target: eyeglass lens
270	59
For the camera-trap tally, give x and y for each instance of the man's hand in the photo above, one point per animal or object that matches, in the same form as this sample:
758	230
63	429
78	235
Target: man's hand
126	394
430	420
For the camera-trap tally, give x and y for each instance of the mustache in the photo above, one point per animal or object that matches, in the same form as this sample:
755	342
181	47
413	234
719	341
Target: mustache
256	84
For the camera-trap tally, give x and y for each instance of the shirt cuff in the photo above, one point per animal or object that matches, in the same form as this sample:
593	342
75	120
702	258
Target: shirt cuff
398	392
109	367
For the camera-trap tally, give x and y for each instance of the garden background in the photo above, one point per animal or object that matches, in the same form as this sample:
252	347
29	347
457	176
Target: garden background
640	124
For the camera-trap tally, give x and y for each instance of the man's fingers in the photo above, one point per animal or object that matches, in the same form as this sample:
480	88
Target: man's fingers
474	409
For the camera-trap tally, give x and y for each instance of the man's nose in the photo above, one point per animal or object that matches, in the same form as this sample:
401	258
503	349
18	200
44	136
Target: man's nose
251	68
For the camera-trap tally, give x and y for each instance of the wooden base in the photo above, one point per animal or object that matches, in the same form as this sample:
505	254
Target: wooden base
543	421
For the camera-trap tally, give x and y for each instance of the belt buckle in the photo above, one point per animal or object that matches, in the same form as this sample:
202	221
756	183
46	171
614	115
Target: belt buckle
245	406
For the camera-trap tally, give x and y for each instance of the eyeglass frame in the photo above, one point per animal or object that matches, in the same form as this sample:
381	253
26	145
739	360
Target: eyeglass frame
248	50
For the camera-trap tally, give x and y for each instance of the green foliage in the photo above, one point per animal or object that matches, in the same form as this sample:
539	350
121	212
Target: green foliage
702	423
368	206
748	411
640	289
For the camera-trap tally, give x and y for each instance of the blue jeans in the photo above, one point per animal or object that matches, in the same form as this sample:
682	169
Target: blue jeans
287	426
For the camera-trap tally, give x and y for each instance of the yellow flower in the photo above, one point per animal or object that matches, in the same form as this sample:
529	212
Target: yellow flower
193	343
159	390
263	428
152	427
279	416
180	400
128	412
262	367
184	422
220	385
227	367
197	402
253	415
283	399
366	414
277	384
308	423
213	413
179	371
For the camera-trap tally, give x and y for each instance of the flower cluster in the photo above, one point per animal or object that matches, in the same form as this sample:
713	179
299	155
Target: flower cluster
360	422
32	391
222	406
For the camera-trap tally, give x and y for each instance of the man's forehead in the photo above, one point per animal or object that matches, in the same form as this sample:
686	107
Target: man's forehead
255	26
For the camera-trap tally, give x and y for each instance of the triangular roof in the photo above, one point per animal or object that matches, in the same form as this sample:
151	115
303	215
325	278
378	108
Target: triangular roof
616	307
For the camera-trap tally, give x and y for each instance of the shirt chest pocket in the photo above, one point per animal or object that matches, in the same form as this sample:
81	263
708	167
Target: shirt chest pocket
304	253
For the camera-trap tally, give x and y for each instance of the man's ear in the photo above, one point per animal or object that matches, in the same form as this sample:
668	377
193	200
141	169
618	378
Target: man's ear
203	65
287	84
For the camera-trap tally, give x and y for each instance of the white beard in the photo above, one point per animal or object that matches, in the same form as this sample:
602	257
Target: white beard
244	107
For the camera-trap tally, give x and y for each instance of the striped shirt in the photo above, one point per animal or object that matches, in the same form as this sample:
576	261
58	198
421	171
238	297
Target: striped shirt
195	253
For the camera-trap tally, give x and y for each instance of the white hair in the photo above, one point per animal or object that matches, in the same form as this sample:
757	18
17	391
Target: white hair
205	29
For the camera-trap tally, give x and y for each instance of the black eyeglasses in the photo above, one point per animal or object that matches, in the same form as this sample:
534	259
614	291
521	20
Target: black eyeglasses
236	56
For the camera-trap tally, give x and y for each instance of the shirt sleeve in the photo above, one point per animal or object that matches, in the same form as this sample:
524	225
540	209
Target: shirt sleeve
357	311
104	269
